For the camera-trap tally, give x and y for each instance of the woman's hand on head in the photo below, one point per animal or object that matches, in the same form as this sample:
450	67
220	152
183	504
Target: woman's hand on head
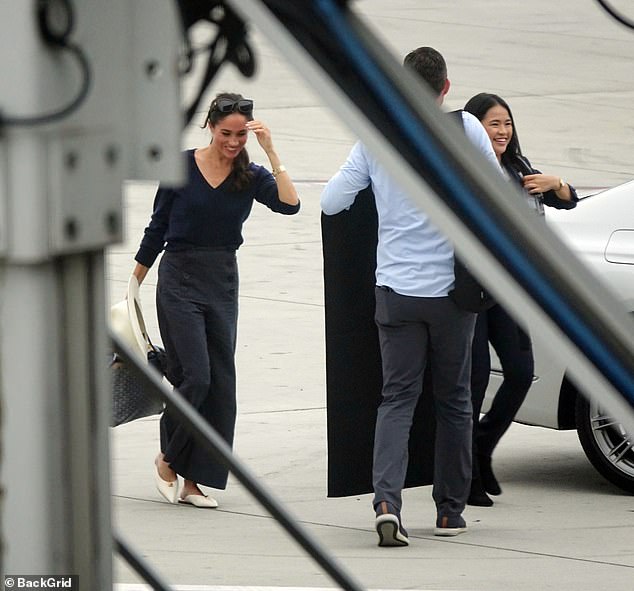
262	133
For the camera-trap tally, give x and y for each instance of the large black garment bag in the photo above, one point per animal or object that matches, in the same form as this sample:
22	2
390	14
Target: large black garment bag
353	363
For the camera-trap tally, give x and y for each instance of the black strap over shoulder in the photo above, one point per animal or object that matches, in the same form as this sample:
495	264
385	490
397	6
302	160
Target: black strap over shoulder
467	293
457	115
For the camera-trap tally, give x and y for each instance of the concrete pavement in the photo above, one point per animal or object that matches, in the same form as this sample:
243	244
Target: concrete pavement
557	525
567	73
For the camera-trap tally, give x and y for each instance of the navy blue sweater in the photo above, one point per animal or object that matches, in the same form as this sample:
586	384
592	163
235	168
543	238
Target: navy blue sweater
198	216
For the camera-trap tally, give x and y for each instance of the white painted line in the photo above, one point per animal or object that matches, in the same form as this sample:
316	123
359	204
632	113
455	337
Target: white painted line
142	587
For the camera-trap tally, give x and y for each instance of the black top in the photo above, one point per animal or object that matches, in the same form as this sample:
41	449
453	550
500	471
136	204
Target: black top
519	167
198	215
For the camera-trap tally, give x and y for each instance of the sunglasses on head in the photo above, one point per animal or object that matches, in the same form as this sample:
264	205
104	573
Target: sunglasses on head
225	105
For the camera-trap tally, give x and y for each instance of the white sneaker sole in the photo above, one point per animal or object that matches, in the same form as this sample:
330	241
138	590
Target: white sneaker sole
387	527
448	532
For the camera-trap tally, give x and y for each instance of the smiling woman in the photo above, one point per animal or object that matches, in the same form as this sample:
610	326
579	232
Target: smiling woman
495	325
199	226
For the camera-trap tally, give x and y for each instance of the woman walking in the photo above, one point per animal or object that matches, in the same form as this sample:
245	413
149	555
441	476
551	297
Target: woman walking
199	228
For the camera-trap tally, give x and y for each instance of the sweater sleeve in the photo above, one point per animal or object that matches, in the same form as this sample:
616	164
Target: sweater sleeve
552	200
154	235
266	193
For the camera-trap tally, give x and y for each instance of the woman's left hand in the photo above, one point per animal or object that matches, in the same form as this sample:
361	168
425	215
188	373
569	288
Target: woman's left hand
286	189
540	183
263	133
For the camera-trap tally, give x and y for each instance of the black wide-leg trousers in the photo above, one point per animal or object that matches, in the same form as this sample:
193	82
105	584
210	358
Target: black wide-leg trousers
197	307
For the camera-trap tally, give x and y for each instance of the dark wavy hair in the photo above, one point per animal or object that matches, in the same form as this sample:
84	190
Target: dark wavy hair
479	105
240	174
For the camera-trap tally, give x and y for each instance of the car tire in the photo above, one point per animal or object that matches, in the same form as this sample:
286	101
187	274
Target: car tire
606	444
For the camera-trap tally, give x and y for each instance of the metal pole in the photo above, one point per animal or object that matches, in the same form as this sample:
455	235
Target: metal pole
140	565
75	121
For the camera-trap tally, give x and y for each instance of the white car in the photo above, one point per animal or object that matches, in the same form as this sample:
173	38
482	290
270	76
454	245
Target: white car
601	231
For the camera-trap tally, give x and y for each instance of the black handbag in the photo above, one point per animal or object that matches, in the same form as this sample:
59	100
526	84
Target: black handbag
131	397
468	293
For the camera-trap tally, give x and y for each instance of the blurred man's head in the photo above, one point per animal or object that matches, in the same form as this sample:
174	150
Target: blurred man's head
431	67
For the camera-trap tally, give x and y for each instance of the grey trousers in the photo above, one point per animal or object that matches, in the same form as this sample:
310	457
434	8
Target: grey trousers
415	331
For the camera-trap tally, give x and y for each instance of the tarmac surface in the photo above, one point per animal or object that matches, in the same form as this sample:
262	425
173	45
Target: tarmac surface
567	71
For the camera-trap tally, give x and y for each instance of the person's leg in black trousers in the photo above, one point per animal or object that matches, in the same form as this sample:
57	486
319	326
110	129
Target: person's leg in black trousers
480	371
513	348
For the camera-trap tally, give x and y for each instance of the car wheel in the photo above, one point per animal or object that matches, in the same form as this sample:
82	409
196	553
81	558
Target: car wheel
606	444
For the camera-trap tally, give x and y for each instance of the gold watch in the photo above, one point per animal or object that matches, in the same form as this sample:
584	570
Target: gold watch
279	170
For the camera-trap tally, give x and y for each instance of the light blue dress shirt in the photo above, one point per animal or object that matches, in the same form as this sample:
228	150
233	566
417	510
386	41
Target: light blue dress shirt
413	257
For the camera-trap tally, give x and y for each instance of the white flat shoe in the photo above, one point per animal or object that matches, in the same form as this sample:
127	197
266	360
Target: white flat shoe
168	490
202	501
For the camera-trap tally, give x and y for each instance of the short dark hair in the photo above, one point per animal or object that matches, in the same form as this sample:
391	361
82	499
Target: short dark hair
480	104
430	65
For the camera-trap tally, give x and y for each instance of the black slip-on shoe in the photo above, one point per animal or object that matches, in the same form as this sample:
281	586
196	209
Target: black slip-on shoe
478	496
489	481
